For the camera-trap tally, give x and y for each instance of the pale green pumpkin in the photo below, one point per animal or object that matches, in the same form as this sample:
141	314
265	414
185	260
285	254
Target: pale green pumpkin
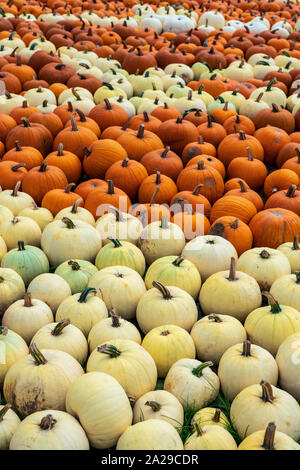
121	254
77	273
28	261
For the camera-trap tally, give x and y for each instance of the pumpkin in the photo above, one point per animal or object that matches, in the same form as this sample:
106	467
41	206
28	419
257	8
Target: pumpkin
108	114
239	123
47	430
209	160
234	206
167	188
210	437
77	273
20	228
99	201
83	121
193	383
152	434
30	156
197	201
56	200
11	173
271	334
255	406
244	364
163	160
167	344
177	133
7	123
30	135
9	421
251	170
39	214
272	140
248	194
287	199
166	304
113	327
210	254
120	287
67	161
64	239
270	439
138	143
101	155
15	200
158	404
214	334
64	337
50	288
90	399
211	416
212	132
233	184
127	175
235	145
235	231
119	224
149	122
26	379
14	348
28	261
276	117
121	254
27	316
116	356
290	250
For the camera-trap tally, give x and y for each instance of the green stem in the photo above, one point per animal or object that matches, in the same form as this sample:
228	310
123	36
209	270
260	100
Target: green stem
177	262
36	354
198	371
154	405
110	350
60	326
85	293
275	307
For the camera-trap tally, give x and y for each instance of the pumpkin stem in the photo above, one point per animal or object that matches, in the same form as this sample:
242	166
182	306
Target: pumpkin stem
243	186
297	273
242	135
36	354
75	206
231	276
164	222
81	115
154	196
60	150
259	97
16	189
200	165
73	124
25	121
108	104
199	431
60	326
264	254
177	262
269	437
140	132
196	190
165	152
109	349
27	300
250	155
69	223
74	265
217	415
3	329
85	293
163	290
110	187
43	166
47	422
115	241
18	147
275	307
154	405
270	84
198	371
115	318
291	191
70	108
4	410
275	108
298	154
21	246
214	317
157	179
295	243
125	162
246	348
69	187
267	392
146	116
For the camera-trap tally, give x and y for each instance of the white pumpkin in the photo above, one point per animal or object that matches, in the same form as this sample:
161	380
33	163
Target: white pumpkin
50	288
288	361
12	348
20	228
15	200
119	225
12	288
292	251
286	289
9	422
210	437
270	439
158	404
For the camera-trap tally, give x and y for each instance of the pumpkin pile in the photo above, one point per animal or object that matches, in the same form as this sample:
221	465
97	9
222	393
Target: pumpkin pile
149	225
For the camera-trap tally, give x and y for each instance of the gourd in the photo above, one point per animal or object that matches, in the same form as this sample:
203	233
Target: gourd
125	227
230	293
287	359
270	439
211	416
28	261
244	364
12	348
174	271
158	404
113	327
264	264
165	305
64	337
64	239
210	437
15	200
83	310
286	290
269	326
20	228
167	344
9	421
26	317
292	251
120	287
214	334
40	215
117	253
50	288
92	400
49	430
12	288
152	434
259	404
77	273
128	362
40	380
161	238
193	383
76	212
210	254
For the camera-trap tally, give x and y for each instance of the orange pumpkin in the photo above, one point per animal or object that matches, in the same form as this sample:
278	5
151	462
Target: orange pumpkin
30	135
163	160
272	139
10	173
99	200
212	132
28	155
240	208
235	231
197	201
177	133
57	199
67	161
137	144
127	175
84	188
108	114
236	145
251	170
75	139
100	156
167	188
248	194
286	199
278	180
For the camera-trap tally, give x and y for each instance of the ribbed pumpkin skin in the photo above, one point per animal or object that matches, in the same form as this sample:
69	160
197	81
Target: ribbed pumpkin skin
282	200
37	183
253	172
127	175
101	197
28	155
235	206
75	141
105	152
275	226
287	151
68	162
272	139
35	135
280	179
234	146
248	194
213	184
235	231
167	189
58	199
177	135
28	263
169	165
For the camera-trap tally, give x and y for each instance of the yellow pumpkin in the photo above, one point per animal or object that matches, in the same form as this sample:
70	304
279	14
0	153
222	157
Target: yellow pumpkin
288	361
117	253
158	404
124	227
211	416
12	348
286	289
20	228
270	439
210	437
12	288
50	288
292	251
40	215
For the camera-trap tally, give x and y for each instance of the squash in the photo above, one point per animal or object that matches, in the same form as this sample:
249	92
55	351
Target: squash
40	380
120	287
112	328
12	348
167	344
210	437
128	362
193	383
270	439
230	293
269	326
161	238
77	273
152	434
15	200
83	310
124	227
50	288
40	215
26	317
92	399
214	334
174	271
117	253
64	239
292	251
12	288
211	416
244	364
20	228
9	421
166	305
75	212
28	261
64	337
287	359
259	404
161	405
210	254
49	430
264	264
286	290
